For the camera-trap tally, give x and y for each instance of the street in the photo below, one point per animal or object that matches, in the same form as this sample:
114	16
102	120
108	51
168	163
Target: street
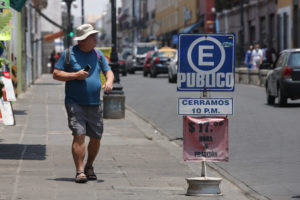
263	140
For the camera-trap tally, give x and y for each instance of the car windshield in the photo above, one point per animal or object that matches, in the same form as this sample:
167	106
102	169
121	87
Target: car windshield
143	50
294	59
124	55
166	54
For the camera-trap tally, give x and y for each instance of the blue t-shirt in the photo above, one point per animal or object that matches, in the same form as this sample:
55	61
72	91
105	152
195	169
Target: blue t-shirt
84	92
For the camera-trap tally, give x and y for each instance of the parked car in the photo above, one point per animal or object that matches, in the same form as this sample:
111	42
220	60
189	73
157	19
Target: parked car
136	60
161	60
283	81
147	63
121	61
172	69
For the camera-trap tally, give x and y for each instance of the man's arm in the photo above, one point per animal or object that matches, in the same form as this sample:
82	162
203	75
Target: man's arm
109	81
67	76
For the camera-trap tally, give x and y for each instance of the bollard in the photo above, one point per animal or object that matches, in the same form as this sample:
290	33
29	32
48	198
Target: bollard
243	75
263	76
254	76
113	106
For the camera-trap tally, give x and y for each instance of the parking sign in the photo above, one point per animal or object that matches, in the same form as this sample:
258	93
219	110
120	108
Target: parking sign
206	62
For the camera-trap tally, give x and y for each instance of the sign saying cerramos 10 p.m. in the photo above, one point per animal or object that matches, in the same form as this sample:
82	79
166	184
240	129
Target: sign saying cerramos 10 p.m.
206	62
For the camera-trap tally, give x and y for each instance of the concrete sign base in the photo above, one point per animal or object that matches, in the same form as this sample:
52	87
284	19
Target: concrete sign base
203	186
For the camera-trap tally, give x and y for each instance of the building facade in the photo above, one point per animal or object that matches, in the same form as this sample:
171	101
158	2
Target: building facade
253	22
149	20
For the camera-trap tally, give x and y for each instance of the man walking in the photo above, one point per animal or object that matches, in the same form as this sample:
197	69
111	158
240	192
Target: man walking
80	68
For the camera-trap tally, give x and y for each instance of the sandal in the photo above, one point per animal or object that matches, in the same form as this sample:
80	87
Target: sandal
90	174
80	179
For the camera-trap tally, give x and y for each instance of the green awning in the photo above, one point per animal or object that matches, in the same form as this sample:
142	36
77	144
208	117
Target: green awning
17	4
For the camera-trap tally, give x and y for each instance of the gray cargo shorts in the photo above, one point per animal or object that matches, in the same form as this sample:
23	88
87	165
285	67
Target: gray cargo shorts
86	120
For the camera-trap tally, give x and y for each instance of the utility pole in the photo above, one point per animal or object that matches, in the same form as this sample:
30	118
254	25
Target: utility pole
82	11
70	25
114	54
242	30
114	102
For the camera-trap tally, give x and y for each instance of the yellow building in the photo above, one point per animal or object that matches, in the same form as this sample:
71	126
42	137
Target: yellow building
173	16
288	22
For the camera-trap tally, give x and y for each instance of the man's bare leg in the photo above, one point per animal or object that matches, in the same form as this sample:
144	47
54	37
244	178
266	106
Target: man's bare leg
78	151
93	149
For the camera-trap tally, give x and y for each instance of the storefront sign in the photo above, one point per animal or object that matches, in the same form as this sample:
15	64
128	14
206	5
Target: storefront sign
4	4
9	88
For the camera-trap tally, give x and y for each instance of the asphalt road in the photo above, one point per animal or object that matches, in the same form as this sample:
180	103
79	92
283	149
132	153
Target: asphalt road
264	141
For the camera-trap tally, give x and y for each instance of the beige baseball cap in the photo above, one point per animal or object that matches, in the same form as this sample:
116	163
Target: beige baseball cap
83	31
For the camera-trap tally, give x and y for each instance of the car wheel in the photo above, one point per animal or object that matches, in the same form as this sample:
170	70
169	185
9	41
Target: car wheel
270	99
169	77
145	74
282	100
153	72
124	73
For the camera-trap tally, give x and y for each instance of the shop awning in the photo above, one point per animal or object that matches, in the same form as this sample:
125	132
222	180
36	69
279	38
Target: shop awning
188	29
17	4
50	37
123	14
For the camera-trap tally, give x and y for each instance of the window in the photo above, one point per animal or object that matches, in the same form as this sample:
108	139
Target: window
271	29
294	59
280	60
262	29
285	30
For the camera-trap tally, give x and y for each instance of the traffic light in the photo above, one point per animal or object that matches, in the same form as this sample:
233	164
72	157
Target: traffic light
71	34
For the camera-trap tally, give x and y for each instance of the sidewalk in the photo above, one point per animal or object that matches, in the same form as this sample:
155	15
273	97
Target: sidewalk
135	161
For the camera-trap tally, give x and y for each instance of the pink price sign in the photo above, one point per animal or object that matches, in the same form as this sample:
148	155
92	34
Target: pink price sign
205	138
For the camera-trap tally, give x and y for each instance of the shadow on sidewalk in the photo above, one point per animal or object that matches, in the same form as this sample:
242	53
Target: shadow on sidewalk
62	179
48	84
22	152
20	112
72	180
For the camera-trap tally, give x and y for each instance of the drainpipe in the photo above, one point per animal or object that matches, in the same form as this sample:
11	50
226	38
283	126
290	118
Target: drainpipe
19	57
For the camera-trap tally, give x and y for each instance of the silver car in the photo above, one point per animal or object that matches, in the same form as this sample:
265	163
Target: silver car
172	69
283	81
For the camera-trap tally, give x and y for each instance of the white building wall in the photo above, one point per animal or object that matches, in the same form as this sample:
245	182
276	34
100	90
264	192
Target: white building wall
53	11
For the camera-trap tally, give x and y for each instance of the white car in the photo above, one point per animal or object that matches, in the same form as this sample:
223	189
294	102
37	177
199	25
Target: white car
172	69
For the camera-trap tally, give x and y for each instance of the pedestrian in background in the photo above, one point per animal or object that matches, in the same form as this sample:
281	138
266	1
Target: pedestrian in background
82	97
248	57
257	56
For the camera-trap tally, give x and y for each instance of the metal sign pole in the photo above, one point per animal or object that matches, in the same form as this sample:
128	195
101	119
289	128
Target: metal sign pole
204	185
203	170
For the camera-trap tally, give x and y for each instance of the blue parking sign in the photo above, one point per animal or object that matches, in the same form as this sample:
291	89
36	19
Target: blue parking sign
206	62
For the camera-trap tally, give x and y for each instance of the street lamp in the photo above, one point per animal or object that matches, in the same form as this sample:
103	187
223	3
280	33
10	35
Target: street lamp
82	11
69	25
114	102
114	54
